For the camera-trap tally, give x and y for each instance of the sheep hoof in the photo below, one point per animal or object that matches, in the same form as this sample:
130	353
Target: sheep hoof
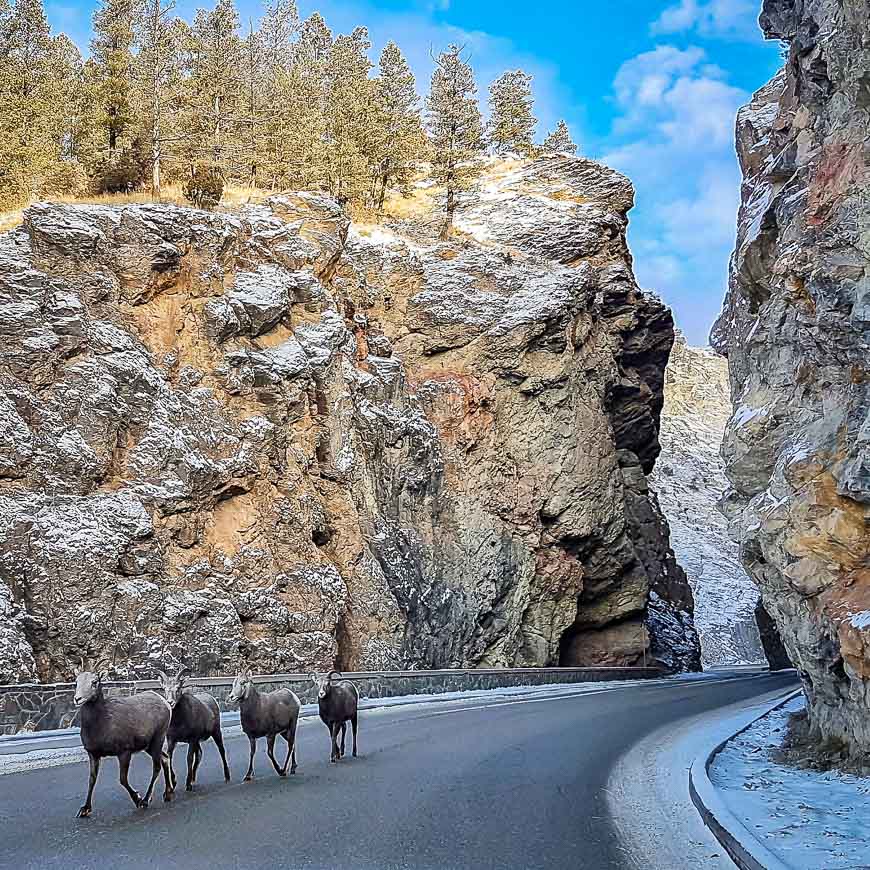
189	787
83	813
167	797
142	804
248	778
226	777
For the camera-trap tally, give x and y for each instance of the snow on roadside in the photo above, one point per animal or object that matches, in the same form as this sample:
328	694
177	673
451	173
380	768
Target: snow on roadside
810	820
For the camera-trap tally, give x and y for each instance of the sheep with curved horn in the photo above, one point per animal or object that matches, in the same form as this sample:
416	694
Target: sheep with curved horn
196	718
120	727
338	701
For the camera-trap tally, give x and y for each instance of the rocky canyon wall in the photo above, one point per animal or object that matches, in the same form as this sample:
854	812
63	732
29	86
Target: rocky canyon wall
275	438
796	330
689	479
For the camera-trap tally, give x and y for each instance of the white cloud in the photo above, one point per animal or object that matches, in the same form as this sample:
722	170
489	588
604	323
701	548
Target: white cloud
717	18
673	136
678	94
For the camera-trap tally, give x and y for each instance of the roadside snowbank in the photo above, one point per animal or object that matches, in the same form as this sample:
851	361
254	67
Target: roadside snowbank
808	819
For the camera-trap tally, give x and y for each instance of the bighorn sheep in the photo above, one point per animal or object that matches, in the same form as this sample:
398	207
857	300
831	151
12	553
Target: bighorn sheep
196	717
338	702
267	715
119	727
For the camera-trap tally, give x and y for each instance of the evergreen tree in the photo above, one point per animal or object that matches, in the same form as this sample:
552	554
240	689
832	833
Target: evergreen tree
30	106
315	38
112	55
559	141
293	137
158	58
512	125
277	36
257	87
402	139
214	99
455	127
351	118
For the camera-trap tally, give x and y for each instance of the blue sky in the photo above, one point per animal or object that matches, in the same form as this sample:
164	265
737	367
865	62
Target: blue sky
649	86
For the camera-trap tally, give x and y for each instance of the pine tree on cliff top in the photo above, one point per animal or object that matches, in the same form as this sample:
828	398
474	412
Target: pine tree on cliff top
402	140
34	74
112	54
156	63
455	127
512	124
215	88
351	117
559	141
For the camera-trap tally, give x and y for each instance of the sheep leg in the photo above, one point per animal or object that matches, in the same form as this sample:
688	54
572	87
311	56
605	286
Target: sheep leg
353	724
170	751
290	736
219	742
85	810
124	770
191	766
168	778
333	733
291	740
343	734
156	753
270	748
250	774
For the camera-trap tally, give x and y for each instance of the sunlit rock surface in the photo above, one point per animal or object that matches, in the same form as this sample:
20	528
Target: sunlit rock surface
796	329
270	437
689	479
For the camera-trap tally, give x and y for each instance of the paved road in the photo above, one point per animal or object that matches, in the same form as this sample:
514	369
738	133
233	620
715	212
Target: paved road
515	782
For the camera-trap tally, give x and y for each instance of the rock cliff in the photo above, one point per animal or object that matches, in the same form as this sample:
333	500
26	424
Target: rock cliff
689	479
272	437
795	328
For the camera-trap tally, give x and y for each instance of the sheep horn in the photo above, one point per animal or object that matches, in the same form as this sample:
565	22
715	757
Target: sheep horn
334	674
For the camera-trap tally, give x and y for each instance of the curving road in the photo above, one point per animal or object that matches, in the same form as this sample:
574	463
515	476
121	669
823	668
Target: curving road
497	780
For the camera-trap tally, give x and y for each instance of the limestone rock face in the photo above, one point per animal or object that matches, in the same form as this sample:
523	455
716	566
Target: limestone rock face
689	479
273	438
795	328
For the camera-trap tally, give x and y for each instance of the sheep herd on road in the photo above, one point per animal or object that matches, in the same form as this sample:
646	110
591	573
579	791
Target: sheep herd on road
155	724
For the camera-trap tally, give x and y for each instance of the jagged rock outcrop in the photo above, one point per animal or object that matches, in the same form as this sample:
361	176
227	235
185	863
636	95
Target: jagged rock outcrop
689	479
796	330
271	437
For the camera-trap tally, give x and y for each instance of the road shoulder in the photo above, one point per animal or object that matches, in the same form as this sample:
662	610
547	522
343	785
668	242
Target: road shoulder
648	793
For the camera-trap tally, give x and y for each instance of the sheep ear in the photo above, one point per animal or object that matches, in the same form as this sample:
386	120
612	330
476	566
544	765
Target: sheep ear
313	677
184	672
162	676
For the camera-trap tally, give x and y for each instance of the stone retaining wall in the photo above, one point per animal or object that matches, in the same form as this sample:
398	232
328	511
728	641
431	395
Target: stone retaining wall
37	707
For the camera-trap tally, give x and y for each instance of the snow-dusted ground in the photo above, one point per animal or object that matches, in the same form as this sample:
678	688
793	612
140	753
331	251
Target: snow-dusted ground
810	820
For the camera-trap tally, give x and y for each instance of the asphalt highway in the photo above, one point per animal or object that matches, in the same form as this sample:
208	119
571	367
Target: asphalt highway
515	781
